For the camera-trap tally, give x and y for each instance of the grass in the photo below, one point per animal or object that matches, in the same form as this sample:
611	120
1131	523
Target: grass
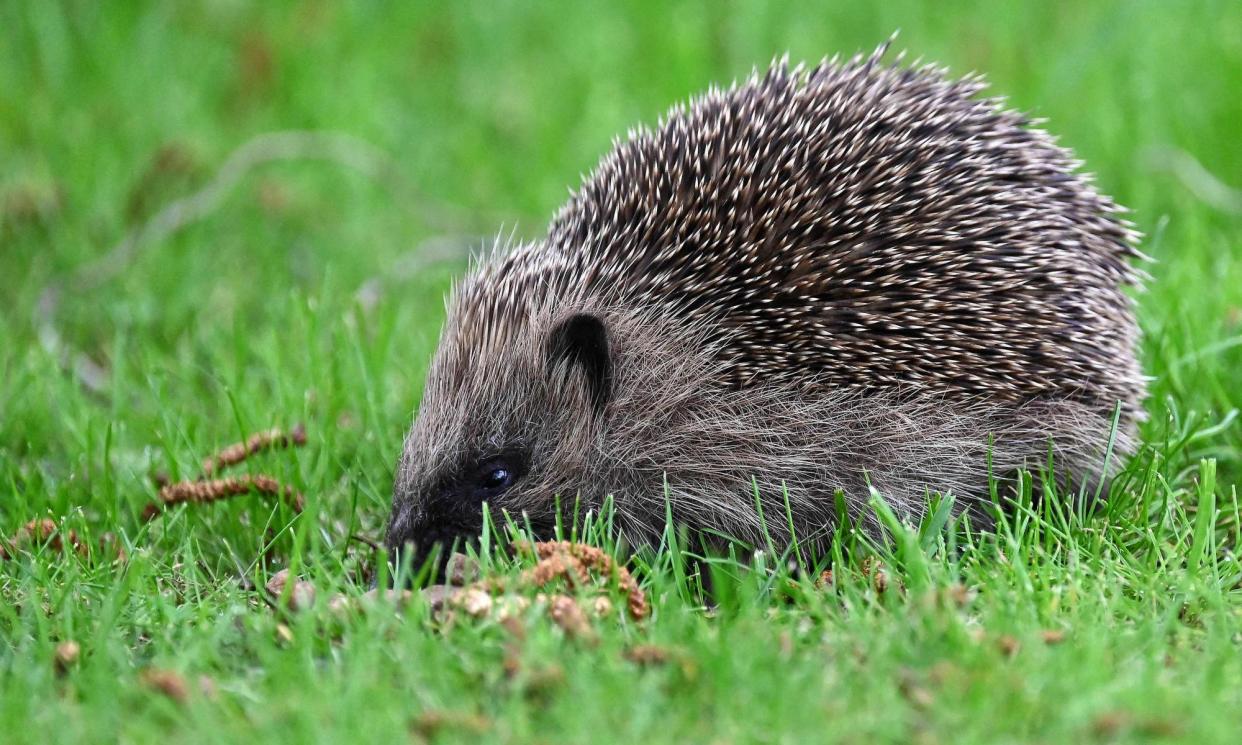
304	293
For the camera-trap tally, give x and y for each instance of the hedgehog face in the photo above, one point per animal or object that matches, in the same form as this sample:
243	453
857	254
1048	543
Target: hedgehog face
491	424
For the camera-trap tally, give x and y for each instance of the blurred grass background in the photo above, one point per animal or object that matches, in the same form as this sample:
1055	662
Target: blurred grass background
312	288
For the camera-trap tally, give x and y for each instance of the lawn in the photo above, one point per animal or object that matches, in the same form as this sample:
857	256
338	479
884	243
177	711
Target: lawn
221	217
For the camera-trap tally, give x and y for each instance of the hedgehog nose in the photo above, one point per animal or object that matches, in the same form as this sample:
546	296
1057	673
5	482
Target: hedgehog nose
405	563
407	557
404	552
400	527
416	537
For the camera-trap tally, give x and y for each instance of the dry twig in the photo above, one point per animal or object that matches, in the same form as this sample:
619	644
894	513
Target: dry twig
202	492
38	531
256	443
211	490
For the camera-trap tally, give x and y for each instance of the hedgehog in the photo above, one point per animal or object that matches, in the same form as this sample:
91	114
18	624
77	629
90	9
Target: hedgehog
814	288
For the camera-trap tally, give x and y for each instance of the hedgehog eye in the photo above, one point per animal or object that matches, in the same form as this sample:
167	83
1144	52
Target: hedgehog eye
496	475
490	476
497	478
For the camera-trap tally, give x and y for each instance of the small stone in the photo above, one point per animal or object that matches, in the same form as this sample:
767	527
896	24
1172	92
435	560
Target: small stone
512	606
341	604
67	653
567	614
438	596
301	596
398	598
461	570
475	602
276	584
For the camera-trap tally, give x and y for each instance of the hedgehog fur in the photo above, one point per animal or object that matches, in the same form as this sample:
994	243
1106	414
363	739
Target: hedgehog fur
812	284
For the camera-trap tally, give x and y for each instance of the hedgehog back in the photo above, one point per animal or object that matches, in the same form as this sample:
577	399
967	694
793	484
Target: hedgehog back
861	225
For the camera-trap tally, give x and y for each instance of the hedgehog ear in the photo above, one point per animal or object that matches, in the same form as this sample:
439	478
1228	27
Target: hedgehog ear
582	340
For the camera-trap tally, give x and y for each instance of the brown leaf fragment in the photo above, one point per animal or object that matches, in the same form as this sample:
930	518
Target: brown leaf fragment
167	682
914	691
543	680
1052	636
647	655
513	626
960	595
1109	724
512	663
39	531
1161	728
432	722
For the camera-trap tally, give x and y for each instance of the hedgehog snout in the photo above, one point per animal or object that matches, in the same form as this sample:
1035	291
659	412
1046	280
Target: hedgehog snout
446	510
420	532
